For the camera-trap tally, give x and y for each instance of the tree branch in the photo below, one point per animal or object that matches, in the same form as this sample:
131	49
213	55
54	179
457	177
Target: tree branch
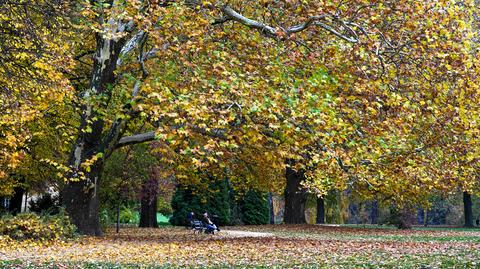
135	139
150	136
231	14
305	25
130	45
269	31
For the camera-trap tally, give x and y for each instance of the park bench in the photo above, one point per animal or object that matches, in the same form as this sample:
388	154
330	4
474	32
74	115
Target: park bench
197	226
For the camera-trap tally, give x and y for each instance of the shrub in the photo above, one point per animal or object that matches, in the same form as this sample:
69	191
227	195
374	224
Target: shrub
105	218
256	210
164	207
216	201
184	201
127	215
32	226
46	203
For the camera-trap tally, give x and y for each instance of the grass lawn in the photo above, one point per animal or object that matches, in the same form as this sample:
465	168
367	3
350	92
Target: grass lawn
279	246
162	220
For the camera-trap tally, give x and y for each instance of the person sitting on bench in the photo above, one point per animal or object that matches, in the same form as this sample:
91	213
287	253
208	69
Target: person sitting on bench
210	226
190	219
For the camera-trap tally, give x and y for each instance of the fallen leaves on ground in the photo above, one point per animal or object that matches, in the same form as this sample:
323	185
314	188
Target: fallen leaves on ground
282	246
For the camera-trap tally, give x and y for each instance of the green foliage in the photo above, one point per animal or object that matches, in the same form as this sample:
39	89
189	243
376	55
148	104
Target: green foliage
127	215
46	203
394	217
105	218
219	202
216	201
163	207
336	205
255	208
403	218
121	181
184	201
32	226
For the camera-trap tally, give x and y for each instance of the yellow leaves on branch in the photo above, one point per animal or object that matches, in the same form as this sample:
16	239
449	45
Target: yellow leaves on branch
398	99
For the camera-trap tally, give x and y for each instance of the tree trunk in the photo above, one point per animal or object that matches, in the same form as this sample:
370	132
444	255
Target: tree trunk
80	194
26	200
425	217
320	210
16	201
406	218
295	197
118	218
148	213
149	197
272	210
467	209
81	201
374	212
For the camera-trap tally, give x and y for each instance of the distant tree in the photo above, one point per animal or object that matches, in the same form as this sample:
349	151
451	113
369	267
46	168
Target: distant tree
320	210
468	211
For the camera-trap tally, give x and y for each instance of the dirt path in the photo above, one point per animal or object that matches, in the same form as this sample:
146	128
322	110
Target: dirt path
238	234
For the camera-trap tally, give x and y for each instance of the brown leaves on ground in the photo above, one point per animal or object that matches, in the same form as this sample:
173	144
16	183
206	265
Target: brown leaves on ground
263	245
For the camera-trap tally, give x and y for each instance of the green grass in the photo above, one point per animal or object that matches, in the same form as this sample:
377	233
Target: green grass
419	228
161	219
377	261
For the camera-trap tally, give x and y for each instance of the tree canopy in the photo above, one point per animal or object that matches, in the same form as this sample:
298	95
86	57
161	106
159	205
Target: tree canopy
377	96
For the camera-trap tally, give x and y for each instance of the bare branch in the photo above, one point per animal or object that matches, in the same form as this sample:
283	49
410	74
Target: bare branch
150	136
130	45
135	139
269	31
303	26
235	16
221	20
335	32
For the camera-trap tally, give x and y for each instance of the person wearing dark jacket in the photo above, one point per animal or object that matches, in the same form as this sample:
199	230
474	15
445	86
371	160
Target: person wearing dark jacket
211	227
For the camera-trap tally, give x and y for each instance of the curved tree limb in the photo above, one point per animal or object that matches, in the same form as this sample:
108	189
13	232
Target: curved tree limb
136	139
231	15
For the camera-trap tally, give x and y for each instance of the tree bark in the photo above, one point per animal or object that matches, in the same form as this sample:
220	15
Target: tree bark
295	197
406	218
81	201
80	195
16	201
148	213
374	212
118	218
467	210
148	204
272	210
320	211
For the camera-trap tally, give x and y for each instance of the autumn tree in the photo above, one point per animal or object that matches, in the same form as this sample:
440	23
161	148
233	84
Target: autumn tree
121	30
333	93
411	118
34	58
